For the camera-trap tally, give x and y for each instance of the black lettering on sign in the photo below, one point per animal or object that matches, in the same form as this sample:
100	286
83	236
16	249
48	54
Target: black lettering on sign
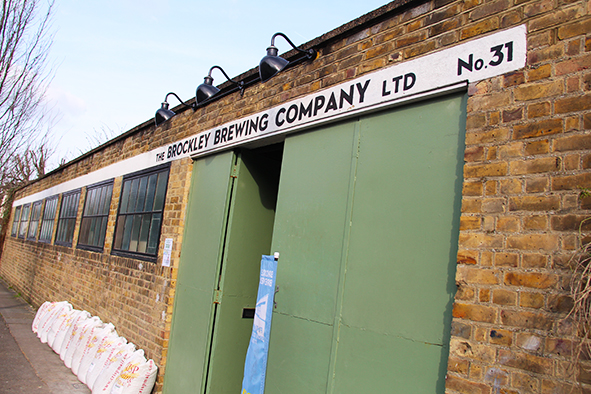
253	126
348	97
231	132
501	53
305	111
279	122
292	113
240	129
318	103
332	103
408	81
264	122
362	89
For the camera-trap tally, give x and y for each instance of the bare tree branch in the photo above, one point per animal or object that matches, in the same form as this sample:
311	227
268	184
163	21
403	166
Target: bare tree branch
25	41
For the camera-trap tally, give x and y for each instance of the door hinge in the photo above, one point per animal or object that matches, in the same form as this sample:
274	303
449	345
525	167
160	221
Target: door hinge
234	173
217	296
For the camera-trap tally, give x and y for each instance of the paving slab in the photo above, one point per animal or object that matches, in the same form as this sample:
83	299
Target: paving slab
26	364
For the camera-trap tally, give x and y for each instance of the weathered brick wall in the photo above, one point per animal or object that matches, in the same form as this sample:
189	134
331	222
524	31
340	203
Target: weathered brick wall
528	154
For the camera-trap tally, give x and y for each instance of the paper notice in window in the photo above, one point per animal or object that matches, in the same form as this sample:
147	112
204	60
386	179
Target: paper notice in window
167	252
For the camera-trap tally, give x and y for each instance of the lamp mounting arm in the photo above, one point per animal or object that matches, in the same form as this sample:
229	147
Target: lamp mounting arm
179	99
239	84
310	53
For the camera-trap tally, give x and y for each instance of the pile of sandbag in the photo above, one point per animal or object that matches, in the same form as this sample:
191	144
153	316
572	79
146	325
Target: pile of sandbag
100	358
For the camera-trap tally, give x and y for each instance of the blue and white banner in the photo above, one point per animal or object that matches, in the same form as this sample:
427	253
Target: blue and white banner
255	365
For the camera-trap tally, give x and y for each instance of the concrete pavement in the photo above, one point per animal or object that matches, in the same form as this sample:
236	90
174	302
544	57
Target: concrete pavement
28	366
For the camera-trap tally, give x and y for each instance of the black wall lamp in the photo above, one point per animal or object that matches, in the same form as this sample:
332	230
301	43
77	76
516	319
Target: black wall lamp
272	64
206	90
163	114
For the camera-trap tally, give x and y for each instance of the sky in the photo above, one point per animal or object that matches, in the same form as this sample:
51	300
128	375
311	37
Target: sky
114	62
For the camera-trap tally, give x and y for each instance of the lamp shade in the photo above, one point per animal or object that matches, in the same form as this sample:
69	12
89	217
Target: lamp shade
206	90
271	64
163	114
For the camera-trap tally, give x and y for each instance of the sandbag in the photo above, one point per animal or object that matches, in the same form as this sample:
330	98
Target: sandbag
108	346
52	309
72	333
40	312
112	368
90	350
85	339
57	325
78	334
64	329
137	377
45	328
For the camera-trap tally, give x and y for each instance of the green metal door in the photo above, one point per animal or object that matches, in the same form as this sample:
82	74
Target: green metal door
310	226
229	226
367	224
201	252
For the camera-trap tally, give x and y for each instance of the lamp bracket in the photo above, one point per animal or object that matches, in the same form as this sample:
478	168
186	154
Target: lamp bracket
310	53
239	84
179	99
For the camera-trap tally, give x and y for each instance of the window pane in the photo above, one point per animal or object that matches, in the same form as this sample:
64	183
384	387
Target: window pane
144	232
141	196
135	233
34	223
119	232
102	229
127	232
152	180
133	195
125	197
16	220
154	233
106	200
160	191
24	226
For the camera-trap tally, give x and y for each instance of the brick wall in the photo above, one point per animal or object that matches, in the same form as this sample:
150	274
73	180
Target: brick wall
528	154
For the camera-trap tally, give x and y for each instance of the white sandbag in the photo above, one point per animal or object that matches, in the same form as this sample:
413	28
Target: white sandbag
137	377
45	328
64	328
111	344
82	346
77	335
40	312
112	368
91	347
57	324
52	309
72	333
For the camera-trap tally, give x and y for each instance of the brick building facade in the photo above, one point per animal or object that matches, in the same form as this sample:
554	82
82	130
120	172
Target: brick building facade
526	145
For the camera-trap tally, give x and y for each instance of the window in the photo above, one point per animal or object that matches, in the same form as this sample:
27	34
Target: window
48	219
94	218
16	220
22	230
140	214
67	218
34	223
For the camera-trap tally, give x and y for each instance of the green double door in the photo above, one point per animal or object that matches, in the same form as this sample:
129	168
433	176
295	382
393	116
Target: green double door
365	215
